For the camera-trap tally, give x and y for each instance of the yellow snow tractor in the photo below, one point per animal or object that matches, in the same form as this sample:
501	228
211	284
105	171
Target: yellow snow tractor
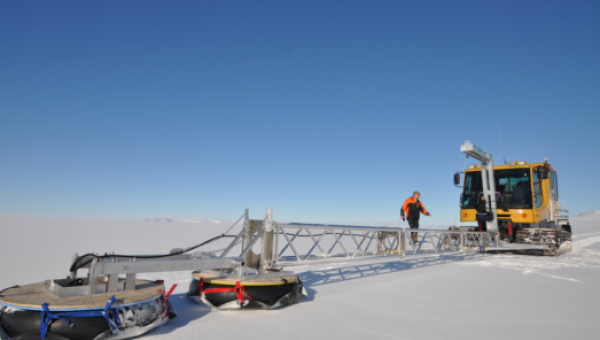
519	201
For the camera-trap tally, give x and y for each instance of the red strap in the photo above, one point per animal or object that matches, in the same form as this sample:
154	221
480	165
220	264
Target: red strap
201	287
238	289
170	291
165	297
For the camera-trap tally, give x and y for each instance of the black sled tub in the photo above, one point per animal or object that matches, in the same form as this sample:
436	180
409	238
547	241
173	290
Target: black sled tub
224	293
33	312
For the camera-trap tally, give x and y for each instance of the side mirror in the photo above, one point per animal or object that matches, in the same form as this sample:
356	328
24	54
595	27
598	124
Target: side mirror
542	172
457	179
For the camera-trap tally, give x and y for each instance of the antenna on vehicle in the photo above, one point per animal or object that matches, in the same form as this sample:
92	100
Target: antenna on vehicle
501	143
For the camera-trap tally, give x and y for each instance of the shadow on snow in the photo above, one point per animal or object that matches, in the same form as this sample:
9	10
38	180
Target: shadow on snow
354	272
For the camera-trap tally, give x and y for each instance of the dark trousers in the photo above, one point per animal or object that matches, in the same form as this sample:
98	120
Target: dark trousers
413	224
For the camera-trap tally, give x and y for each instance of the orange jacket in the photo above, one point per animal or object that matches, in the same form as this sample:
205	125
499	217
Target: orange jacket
411	203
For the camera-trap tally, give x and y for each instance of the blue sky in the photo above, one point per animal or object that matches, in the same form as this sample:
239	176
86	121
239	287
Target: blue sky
325	111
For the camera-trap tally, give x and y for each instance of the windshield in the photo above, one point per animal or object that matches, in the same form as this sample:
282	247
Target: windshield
514	185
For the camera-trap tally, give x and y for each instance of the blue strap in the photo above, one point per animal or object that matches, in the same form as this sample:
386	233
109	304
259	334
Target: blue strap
48	317
114	325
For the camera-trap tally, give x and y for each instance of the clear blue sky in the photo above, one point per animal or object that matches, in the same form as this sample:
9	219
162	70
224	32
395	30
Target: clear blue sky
326	111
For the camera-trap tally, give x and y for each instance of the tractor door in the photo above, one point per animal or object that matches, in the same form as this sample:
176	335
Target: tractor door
541	197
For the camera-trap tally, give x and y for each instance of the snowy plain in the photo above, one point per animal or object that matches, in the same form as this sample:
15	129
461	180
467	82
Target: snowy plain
470	296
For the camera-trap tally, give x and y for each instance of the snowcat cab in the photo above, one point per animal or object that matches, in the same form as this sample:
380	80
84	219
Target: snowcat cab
519	201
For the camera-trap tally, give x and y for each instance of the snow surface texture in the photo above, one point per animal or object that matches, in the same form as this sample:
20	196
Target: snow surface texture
470	296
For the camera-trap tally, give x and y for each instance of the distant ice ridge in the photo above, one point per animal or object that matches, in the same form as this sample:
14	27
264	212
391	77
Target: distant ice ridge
397	224
216	221
582	223
180	219
596	212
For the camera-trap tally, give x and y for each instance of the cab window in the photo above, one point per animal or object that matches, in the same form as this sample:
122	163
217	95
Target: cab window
554	185
537	192
512	185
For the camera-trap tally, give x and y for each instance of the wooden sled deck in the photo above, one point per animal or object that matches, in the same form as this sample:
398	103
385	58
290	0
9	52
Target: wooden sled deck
219	279
32	296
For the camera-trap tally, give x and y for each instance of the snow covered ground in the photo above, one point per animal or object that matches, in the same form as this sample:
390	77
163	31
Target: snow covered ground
426	297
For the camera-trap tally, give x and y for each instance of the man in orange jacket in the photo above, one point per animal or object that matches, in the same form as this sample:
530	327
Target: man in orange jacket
411	210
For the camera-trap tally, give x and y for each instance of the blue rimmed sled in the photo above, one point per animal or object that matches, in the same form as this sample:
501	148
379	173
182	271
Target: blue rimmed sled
33	312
